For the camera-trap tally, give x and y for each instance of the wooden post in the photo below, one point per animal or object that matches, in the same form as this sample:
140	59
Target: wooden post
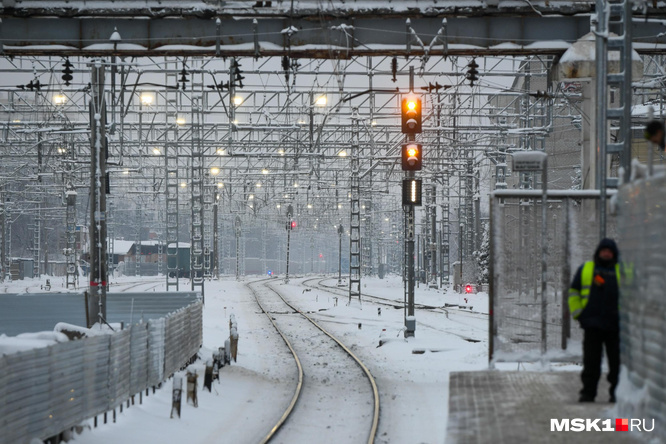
208	376
176	396
192	388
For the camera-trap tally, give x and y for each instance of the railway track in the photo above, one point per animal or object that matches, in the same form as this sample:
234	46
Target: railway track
126	286
392	302
399	305
324	377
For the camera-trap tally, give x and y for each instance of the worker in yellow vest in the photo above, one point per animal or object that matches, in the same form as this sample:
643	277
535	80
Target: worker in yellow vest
593	301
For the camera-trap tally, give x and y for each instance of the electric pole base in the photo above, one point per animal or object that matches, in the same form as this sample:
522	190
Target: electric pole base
410	326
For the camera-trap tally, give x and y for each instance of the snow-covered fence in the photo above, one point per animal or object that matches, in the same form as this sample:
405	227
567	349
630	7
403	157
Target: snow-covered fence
45	391
515	270
641	223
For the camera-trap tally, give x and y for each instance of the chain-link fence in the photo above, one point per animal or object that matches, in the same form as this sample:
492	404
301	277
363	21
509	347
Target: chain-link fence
516	270
641	223
47	390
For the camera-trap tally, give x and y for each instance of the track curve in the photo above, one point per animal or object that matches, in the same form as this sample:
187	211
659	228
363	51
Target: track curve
299	388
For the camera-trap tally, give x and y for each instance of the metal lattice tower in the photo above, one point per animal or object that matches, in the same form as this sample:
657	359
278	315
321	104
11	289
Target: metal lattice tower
172	189
355	215
70	234
137	241
620	16
243	243
432	241
110	234
264	235
197	201
209	213
366	239
469	199
445	231
6	237
37	240
238	231
426	230
3	237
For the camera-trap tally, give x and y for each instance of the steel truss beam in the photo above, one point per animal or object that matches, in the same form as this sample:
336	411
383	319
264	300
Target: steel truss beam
312	30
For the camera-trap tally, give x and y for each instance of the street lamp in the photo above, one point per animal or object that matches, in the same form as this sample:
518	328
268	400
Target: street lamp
238	100
59	99
214	171
321	100
147	98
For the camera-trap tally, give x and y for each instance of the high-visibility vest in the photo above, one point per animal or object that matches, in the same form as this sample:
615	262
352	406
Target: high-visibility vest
578	299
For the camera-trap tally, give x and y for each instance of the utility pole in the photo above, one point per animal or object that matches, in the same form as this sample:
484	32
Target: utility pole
216	255
98	153
290	213
341	230
411	158
238	235
3	236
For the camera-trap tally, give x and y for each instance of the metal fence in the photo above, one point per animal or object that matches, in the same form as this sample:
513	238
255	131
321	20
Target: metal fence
641	222
45	391
515	275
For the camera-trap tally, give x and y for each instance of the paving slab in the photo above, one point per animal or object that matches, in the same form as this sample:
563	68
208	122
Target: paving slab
516	407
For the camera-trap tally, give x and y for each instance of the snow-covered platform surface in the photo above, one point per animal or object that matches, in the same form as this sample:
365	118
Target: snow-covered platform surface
513	407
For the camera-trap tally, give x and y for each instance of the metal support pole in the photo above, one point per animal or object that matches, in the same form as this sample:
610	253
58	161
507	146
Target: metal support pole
340	231
216	239
3	237
137	243
544	256
410	322
601	69
98	258
286	279
355	214
237	223
70	226
433	238
409	241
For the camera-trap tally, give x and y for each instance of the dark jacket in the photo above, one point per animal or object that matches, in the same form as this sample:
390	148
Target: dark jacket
601	311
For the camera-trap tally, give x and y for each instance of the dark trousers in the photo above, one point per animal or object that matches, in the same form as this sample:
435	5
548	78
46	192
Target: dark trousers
593	343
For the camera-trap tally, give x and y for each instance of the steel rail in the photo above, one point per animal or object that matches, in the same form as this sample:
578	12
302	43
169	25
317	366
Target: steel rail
366	371
393	302
299	386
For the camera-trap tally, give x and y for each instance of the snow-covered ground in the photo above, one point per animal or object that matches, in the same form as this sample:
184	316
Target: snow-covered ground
412	375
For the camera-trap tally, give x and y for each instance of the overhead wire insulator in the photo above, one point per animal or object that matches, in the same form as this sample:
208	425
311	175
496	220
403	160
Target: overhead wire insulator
394	69
67	72
183	77
472	72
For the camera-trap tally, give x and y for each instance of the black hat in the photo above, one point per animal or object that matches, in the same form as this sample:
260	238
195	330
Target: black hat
652	128
610	244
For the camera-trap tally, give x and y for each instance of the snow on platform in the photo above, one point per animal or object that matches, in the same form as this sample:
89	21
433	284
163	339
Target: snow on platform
513	407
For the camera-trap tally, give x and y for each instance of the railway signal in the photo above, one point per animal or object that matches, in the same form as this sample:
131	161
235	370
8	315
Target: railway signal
412	156
411	192
411	115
